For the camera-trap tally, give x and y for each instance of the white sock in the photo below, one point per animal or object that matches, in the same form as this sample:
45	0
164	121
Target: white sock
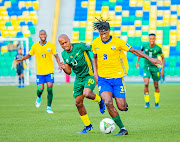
124	128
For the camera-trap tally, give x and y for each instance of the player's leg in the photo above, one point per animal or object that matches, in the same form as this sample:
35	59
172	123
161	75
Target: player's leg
19	77
119	93
22	79
83	114
156	77
40	80
49	80
146	77
88	92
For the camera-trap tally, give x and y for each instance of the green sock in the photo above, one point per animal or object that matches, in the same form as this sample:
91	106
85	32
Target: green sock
39	91
49	96
118	121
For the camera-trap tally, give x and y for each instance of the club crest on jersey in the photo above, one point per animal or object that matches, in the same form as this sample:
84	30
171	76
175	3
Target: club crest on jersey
113	47
127	45
150	49
67	60
71	56
48	49
77	54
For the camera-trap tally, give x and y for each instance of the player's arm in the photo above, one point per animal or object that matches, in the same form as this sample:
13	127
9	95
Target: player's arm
163	63
141	54
24	58
58	60
66	68
137	63
95	68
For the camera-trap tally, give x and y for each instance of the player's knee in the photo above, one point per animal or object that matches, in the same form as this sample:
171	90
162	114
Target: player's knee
121	107
108	104
86	94
156	86
78	104
146	84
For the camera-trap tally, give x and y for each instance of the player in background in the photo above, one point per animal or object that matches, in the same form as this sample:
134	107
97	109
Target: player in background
44	67
152	50
110	66
77	58
20	68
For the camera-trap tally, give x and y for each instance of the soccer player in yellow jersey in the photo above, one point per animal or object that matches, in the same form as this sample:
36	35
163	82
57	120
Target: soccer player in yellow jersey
110	66
44	67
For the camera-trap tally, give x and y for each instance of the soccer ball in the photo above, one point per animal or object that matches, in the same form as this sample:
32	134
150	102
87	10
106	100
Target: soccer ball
107	125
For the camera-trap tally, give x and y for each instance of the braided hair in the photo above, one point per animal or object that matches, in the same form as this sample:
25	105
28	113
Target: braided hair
101	25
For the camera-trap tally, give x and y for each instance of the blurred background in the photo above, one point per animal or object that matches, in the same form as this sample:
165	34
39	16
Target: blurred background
131	20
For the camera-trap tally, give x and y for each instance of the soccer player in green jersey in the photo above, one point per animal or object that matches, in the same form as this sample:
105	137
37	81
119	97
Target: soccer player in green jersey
77	58
152	50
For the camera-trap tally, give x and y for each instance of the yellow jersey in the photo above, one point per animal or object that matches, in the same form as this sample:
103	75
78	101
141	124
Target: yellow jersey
111	59
44	57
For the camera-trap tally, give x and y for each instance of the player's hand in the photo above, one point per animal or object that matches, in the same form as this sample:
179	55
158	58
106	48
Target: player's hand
155	61
62	65
96	79
162	72
137	65
18	61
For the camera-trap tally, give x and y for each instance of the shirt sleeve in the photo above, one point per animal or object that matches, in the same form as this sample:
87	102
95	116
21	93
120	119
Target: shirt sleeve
160	51
54	49
32	50
124	45
94	48
86	47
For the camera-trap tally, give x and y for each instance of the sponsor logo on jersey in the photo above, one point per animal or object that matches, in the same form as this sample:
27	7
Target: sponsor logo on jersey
113	47
97	48
71	56
146	49
87	45
48	49
127	45
38	80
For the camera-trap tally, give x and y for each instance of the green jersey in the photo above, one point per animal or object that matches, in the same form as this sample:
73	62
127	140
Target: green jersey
79	59
151	52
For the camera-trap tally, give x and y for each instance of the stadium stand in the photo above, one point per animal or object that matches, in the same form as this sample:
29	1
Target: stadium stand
133	20
17	19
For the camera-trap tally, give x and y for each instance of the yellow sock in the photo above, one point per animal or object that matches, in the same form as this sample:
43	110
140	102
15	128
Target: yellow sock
85	120
146	97
97	99
157	96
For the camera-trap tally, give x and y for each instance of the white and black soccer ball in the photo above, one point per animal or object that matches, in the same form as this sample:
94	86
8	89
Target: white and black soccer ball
107	126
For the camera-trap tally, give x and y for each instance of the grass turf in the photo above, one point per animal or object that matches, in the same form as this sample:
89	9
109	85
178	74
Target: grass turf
20	120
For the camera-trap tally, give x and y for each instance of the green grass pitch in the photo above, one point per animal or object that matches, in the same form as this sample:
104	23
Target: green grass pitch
21	121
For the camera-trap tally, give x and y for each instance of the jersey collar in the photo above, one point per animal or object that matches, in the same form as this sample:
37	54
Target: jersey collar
41	44
108	40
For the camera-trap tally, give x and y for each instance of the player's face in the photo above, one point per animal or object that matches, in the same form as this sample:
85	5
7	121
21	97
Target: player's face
105	35
152	39
19	51
42	36
65	44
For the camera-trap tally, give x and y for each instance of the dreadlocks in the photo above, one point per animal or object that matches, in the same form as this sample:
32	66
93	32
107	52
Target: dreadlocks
101	25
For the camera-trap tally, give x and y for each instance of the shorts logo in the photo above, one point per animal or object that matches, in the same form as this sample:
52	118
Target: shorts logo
73	92
113	47
48	49
37	80
127	45
67	60
99	88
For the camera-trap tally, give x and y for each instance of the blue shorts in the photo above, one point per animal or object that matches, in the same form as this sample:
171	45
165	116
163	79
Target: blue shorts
40	79
114	85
